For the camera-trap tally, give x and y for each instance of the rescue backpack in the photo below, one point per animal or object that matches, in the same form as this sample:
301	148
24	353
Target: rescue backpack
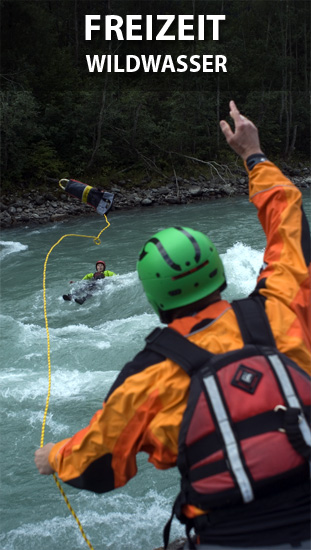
246	429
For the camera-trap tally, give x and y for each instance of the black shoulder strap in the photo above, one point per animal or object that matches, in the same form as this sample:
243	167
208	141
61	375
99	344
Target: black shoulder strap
253	321
173	345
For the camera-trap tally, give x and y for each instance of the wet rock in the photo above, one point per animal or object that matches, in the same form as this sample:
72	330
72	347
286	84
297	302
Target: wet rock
161	191
171	200
49	197
18	203
195	191
58	217
5	219
146	202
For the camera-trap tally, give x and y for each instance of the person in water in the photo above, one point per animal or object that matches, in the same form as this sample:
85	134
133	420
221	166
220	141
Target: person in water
183	277
100	273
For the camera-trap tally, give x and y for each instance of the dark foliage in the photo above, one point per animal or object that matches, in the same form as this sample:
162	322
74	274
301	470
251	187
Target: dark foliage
59	119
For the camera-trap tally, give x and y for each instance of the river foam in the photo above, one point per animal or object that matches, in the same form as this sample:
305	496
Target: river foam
11	247
89	345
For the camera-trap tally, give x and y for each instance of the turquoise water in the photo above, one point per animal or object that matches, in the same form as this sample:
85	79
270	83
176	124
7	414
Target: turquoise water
89	346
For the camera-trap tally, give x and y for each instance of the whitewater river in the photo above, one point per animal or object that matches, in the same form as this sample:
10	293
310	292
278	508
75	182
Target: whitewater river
89	345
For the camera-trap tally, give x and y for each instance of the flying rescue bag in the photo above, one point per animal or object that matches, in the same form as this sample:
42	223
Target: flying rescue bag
244	432
98	199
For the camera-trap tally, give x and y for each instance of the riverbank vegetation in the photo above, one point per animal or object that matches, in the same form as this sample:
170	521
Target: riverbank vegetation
59	120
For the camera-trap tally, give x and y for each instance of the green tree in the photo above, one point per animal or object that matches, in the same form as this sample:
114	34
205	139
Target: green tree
19	127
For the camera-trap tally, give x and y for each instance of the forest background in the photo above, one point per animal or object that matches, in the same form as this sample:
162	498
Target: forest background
59	120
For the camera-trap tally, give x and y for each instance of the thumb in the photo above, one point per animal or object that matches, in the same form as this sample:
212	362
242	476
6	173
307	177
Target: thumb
226	130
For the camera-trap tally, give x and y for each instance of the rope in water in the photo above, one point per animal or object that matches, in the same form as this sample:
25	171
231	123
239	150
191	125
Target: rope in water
97	242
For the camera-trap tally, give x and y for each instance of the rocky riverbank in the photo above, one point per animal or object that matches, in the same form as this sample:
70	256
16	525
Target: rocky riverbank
53	205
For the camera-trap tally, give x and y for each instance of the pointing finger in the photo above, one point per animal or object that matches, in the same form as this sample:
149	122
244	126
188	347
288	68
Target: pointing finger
235	113
233	106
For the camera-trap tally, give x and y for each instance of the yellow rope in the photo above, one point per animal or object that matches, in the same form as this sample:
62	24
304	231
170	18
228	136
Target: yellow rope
96	241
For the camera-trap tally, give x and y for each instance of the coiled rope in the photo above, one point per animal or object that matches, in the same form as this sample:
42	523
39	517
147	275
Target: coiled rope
97	242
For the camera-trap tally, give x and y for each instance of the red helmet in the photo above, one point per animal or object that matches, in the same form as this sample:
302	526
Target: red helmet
101	262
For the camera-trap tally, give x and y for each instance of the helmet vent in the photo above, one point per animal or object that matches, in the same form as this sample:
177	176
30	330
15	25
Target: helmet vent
175	292
158	275
213	273
190	271
196	284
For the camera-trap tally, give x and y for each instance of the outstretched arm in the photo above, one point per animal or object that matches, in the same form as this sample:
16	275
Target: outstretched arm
284	281
87	276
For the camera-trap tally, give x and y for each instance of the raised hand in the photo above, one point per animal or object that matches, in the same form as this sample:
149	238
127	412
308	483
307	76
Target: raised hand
244	140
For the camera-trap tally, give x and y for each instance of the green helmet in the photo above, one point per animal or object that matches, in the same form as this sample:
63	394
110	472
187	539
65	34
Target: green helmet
179	266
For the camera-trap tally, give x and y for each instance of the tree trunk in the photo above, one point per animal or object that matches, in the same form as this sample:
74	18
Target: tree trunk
76	32
99	125
101	115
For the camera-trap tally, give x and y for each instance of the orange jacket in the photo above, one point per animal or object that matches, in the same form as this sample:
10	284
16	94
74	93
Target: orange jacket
145	405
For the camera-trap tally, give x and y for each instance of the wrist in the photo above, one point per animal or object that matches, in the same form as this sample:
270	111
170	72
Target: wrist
255	158
249	151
